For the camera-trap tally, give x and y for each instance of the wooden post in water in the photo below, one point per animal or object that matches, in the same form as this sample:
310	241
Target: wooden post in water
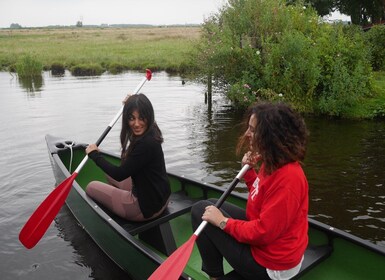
208	95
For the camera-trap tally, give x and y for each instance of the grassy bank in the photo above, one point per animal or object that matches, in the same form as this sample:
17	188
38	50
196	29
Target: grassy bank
158	48
373	106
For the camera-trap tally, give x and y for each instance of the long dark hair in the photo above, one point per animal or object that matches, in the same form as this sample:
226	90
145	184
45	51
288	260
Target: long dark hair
280	135
142	104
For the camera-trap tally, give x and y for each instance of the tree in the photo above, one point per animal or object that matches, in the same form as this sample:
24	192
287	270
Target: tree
15	26
361	12
323	7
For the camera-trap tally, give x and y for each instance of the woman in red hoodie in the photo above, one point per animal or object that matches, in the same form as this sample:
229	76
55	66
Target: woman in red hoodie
268	240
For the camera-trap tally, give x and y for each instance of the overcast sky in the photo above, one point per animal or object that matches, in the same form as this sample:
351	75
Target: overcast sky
35	13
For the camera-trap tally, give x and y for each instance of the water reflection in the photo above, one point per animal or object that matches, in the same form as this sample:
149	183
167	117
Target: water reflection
345	171
31	84
86	252
221	133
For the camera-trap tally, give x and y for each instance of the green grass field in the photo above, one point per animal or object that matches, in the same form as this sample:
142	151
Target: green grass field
158	48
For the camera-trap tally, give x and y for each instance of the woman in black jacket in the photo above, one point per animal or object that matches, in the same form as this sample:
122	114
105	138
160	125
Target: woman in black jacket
138	189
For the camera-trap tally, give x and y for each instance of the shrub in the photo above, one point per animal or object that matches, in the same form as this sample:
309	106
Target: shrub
57	69
276	48
87	70
375	38
292	68
116	68
346	71
28	66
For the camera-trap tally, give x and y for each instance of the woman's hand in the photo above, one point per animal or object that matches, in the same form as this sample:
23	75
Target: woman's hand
90	148
213	215
250	158
126	98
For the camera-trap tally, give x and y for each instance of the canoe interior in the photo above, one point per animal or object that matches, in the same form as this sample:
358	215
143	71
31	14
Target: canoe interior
351	258
181	226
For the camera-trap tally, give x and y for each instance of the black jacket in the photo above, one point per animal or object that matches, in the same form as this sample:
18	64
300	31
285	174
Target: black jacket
146	167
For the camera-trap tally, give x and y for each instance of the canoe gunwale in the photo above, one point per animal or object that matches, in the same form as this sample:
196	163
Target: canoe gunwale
333	233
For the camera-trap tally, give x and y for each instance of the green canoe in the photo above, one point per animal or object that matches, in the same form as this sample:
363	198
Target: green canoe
139	248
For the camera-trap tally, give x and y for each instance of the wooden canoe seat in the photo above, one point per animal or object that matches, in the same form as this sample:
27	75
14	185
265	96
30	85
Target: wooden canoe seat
313	256
157	232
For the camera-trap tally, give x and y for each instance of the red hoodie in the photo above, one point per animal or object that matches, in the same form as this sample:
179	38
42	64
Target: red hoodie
276	211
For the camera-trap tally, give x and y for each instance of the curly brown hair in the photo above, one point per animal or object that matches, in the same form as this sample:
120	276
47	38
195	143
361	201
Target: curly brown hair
280	135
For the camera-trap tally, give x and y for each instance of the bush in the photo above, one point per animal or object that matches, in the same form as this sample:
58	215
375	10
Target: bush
346	71
375	38
116	68
57	69
87	70
292	68
264	49
28	66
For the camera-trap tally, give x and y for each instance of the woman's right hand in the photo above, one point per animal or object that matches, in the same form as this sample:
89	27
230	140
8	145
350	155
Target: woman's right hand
90	148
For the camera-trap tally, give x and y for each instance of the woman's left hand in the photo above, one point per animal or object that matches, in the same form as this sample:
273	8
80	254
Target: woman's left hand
126	98
213	215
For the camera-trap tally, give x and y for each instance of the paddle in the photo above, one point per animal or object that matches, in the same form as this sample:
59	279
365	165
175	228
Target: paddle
40	220
174	265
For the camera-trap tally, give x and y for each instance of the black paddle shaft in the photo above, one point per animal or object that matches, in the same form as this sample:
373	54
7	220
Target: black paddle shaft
232	186
224	196
104	134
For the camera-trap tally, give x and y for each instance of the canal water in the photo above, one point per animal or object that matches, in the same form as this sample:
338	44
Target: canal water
345	162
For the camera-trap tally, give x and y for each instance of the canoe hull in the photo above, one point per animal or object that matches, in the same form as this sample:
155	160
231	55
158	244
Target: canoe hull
349	257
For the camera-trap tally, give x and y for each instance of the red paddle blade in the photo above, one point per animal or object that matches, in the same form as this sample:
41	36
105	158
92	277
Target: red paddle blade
148	74
174	265
40	220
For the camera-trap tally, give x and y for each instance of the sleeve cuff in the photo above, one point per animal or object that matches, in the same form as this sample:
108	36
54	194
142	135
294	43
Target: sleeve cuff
93	155
250	176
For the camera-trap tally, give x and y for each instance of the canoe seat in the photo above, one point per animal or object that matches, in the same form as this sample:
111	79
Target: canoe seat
313	256
157	232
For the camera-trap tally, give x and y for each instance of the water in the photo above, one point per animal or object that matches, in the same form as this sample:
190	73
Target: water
344	164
